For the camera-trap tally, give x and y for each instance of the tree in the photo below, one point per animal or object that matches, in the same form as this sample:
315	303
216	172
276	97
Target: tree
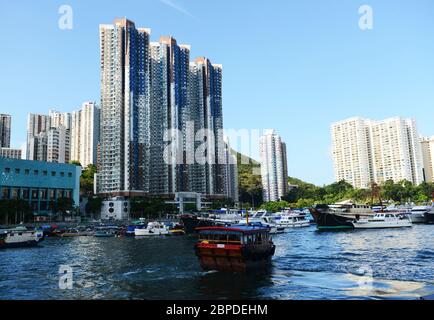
93	206
142	207
64	206
14	211
224	203
275	206
87	180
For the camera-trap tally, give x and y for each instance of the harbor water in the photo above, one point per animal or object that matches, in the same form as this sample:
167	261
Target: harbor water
356	264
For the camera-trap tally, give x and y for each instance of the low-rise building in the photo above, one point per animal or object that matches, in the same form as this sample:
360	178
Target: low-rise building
39	183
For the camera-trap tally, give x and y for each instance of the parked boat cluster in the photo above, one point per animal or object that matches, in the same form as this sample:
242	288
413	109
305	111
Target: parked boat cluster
344	215
348	215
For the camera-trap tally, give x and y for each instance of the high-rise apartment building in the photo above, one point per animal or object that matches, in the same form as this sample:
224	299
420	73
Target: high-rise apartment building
367	151
169	65
10	153
205	112
152	99
51	146
427	145
124	107
36	123
49	137
58	119
231	173
274	170
351	152
85	134
5	131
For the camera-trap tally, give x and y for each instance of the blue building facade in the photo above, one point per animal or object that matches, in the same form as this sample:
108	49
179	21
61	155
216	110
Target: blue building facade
39	183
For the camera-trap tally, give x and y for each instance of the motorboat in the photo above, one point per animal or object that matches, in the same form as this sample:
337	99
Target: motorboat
152	229
263	218
383	220
20	237
292	220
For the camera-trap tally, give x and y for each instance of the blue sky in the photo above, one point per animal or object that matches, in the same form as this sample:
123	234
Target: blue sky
295	66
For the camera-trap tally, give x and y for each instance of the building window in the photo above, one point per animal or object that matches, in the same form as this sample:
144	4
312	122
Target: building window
62	174
27	172
17	171
6	194
44	173
53	173
36	172
43	194
26	193
15	193
70	174
7	170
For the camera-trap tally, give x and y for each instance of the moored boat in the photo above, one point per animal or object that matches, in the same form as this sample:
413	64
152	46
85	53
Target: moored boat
104	234
152	229
339	216
20	237
383	220
292	220
193	221
237	248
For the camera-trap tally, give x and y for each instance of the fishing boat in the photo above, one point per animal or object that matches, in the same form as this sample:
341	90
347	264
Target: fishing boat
383	220
152	229
20	237
193	221
220	217
339	216
237	248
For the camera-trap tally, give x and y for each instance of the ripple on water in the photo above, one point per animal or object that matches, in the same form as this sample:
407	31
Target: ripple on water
307	265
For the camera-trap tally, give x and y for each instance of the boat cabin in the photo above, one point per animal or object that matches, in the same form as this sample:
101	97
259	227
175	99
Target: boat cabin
235	235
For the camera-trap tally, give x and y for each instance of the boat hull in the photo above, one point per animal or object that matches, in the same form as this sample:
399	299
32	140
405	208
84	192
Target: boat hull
233	258
418	218
329	221
375	225
25	244
294	225
429	218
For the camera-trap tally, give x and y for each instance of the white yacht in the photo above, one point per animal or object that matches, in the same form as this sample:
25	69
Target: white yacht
265	218
20	237
152	229
292	219
383	220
